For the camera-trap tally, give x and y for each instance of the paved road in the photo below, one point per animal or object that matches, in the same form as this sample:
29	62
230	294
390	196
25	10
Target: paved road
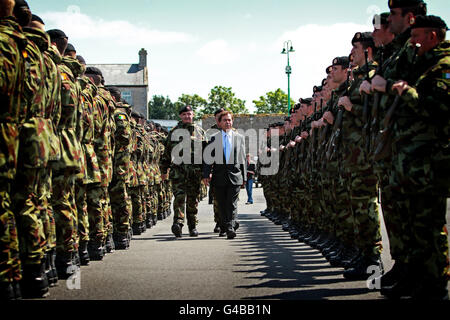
262	262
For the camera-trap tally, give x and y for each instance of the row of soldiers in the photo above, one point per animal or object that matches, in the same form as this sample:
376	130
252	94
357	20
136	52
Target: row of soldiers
375	131
79	169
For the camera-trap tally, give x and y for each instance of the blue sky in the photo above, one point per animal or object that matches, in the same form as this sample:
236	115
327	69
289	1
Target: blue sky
197	44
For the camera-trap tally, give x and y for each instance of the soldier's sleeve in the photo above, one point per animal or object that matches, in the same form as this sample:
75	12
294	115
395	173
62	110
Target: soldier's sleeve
166	157
122	134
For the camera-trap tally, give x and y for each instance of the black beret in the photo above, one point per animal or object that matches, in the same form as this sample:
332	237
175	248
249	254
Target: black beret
94	71
36	18
70	47
81	59
403	3
21	3
381	19
429	22
115	92
317	89
328	69
307	101
341	61
56	34
365	37
134	114
185	109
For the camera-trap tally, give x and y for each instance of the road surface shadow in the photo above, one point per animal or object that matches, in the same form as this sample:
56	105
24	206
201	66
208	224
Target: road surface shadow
268	253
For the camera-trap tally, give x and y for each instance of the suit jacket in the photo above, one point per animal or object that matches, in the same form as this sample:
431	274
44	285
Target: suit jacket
235	171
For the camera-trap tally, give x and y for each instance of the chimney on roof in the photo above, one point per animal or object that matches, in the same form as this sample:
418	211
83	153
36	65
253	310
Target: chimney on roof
142	58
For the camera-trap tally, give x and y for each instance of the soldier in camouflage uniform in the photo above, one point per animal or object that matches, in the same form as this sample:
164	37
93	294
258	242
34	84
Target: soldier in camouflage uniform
94	190
92	171
70	164
392	67
33	157
419	155
12	75
120	200
52	115
185	177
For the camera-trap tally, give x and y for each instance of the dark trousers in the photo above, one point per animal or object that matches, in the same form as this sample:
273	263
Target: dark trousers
227	198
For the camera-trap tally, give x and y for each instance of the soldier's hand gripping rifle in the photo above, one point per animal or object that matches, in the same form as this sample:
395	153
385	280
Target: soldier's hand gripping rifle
384	138
337	136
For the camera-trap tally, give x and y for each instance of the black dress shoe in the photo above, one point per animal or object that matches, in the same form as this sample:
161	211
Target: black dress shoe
222	234
217	228
193	232
177	230
231	234
236	225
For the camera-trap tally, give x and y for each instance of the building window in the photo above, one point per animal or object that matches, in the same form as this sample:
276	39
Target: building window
127	96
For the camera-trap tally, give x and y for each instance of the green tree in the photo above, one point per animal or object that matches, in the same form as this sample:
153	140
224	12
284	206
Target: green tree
222	97
195	101
160	107
273	102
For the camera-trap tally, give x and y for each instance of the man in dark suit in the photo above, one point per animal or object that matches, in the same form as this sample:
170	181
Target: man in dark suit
226	172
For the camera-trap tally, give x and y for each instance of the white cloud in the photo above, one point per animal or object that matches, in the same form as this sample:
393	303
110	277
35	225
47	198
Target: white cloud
217	52
315	47
83	27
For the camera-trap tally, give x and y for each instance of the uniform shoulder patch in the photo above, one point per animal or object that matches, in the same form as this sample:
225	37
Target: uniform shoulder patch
64	76
121	117
446	74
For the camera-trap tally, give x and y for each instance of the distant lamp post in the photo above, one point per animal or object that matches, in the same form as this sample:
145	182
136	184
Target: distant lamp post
286	50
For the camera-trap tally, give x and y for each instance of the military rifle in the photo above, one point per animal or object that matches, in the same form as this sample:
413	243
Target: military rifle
384	139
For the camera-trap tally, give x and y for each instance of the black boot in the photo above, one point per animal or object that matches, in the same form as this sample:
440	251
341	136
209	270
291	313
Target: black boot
6	291
177	229
64	265
121	241
109	245
217	228
360	270
52	274
83	253
34	282
95	250
136	229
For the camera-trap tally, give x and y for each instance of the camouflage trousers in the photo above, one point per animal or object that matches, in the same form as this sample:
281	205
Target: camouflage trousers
161	196
363	199
47	214
83	216
345	221
107	212
121	206
65	210
137	204
10	263
186	194
327	204
95	209
153	201
28	208
428	251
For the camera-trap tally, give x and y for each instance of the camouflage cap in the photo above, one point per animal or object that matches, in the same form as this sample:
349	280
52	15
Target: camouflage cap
403	3
341	61
430	21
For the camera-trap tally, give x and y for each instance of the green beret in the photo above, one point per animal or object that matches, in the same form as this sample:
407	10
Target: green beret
317	89
364	37
341	61
429	22
381	19
404	3
185	109
328	69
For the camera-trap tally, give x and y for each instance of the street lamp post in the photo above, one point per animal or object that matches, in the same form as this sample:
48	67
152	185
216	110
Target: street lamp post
286	50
